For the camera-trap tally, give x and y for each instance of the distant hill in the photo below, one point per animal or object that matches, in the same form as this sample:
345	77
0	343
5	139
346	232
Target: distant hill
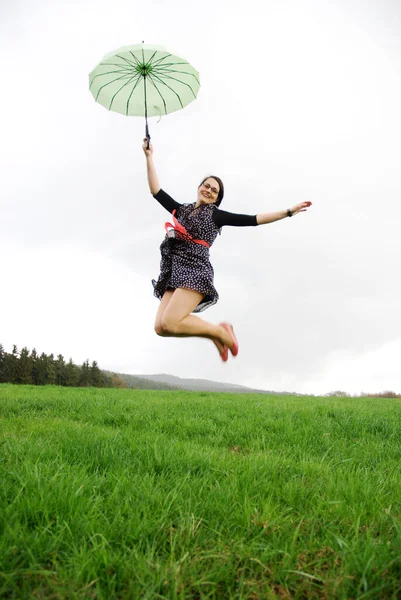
142	383
201	384
170	382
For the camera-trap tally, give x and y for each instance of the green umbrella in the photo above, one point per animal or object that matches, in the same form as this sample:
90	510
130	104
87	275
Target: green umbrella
143	80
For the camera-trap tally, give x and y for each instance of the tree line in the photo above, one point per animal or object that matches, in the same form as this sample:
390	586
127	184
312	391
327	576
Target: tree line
29	367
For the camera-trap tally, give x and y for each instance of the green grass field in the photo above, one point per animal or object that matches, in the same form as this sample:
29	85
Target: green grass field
139	494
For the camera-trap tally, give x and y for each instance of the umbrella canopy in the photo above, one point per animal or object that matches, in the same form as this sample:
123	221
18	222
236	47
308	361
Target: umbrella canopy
143	80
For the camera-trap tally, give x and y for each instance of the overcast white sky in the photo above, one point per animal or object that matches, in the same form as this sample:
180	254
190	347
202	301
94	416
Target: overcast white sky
298	101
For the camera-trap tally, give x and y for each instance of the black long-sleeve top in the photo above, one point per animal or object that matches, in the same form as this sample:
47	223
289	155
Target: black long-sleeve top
220	217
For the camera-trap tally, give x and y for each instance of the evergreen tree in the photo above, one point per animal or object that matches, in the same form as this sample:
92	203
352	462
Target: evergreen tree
84	380
2	365
11	365
95	375
72	374
34	361
60	370
51	378
24	371
107	380
41	369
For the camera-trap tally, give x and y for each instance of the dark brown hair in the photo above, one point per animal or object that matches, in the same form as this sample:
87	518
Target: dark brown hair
221	186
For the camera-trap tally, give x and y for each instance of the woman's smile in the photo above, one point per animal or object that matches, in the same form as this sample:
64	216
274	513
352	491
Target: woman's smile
208	192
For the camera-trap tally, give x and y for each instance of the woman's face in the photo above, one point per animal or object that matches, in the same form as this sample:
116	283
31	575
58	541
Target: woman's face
208	192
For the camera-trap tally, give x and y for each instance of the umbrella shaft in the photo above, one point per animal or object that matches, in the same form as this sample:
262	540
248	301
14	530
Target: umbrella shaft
146	113
146	103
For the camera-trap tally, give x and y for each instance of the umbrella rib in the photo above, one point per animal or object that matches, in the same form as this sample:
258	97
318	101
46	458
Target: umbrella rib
151	58
148	62
159	60
171	64
123	86
119	65
183	72
159	92
183	83
131	64
170	88
134	57
129	97
110	82
109	73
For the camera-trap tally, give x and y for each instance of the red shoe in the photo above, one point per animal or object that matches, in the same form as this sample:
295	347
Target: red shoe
224	354
229	328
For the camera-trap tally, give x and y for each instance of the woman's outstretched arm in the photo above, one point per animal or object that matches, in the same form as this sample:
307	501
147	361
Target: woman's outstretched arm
264	218
153	179
160	195
222	217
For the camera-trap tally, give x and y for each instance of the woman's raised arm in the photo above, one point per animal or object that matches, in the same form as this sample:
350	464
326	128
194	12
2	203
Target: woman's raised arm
153	179
264	218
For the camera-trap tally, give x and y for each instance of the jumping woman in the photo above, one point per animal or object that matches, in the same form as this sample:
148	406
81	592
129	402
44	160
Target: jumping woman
185	284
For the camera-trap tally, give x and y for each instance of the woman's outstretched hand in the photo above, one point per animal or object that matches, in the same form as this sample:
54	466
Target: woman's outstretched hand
148	151
301	207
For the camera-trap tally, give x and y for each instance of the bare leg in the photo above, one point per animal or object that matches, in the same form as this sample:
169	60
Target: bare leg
167	296
174	319
162	307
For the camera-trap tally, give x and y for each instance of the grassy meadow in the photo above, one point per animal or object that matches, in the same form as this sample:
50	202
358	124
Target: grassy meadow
132	494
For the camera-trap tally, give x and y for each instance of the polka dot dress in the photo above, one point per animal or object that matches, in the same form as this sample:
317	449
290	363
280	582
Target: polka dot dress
185	264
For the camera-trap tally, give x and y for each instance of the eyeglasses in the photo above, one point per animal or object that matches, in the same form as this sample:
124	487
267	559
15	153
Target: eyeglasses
208	187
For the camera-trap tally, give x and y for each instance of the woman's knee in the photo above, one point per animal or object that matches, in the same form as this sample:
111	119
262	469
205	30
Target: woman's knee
159	329
168	325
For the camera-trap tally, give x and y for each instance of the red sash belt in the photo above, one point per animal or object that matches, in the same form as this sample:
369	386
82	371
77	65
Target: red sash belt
183	232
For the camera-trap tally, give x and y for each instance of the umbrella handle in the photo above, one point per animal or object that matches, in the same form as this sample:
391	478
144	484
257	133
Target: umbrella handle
147	135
